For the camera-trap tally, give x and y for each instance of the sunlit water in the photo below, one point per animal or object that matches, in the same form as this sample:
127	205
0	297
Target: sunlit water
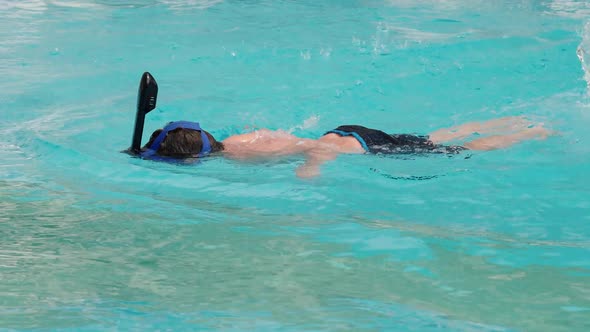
91	239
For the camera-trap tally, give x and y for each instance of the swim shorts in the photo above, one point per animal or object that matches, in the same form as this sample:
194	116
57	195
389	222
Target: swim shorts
378	142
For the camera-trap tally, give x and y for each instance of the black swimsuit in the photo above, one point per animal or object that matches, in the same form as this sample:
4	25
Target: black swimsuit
378	142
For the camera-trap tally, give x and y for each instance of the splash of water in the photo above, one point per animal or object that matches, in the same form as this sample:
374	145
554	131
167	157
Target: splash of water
308	123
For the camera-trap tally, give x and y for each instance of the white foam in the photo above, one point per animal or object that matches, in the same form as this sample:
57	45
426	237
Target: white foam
583	52
30	5
570	8
184	4
310	122
73	4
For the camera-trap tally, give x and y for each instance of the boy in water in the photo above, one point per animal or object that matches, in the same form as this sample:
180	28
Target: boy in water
187	140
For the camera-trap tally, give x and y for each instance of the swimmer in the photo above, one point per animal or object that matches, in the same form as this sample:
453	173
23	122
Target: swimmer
182	140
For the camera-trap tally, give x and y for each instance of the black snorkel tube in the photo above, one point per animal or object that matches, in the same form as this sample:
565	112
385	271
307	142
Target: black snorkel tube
146	102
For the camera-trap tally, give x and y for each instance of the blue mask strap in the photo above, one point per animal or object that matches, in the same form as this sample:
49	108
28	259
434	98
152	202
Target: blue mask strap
175	125
206	144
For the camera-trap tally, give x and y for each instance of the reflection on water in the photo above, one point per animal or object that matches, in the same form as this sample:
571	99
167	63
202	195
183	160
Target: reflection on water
94	261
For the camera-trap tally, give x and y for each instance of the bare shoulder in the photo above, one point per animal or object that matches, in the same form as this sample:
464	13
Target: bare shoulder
242	138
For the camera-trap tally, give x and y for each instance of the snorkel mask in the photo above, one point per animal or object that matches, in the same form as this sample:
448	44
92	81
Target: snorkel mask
146	102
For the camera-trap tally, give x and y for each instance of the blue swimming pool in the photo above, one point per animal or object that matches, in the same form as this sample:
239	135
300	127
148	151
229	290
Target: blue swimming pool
91	239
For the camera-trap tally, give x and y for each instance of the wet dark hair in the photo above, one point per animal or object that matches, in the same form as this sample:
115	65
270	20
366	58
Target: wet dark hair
183	143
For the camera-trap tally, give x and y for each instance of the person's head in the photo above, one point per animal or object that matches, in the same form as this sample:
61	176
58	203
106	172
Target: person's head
183	143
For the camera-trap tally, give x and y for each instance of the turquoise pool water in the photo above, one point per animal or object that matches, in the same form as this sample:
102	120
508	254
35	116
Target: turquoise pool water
91	239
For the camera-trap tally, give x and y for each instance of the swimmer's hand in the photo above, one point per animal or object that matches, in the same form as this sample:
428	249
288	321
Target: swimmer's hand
307	171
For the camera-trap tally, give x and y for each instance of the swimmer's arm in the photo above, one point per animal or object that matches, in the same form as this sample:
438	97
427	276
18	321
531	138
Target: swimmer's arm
314	160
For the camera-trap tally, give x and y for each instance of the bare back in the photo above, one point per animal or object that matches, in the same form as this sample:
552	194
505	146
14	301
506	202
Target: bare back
267	143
